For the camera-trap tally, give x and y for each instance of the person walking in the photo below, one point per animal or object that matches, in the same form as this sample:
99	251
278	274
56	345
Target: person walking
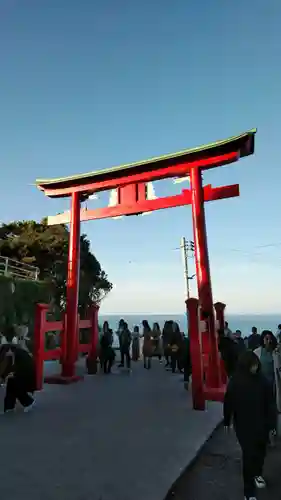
17	369
248	403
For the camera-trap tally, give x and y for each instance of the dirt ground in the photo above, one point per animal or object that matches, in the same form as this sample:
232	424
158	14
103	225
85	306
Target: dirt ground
216	473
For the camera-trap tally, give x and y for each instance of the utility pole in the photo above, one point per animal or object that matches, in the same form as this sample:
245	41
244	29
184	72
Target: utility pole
186	247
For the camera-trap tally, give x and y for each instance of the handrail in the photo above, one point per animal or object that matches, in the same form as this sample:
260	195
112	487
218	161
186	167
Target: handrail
17	269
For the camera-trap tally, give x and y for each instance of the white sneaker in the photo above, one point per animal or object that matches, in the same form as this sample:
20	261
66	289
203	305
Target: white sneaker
251	498
260	482
30	407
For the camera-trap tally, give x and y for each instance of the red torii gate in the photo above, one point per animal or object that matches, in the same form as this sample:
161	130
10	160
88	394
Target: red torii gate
131	184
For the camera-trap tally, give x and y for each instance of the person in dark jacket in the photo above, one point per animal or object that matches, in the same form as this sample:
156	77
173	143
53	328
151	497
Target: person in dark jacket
176	347
166	340
254	340
17	369
237	337
125	343
229	352
107	354
249	404
186	362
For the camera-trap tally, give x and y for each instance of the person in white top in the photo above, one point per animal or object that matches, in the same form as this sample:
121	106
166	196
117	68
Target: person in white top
278	334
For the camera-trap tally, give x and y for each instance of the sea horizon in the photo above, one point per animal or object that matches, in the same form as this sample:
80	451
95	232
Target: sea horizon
243	321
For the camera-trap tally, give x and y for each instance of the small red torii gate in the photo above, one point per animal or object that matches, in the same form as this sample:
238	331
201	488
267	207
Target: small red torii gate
131	181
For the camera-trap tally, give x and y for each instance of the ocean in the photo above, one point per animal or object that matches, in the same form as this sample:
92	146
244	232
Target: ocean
241	322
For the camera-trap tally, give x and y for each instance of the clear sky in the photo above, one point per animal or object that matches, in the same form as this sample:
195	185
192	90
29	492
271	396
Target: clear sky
90	84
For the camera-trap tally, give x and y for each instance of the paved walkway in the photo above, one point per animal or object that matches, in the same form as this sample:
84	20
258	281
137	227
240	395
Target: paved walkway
118	437
216	474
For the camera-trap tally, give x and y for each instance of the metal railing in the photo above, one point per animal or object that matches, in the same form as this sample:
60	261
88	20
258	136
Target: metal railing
16	269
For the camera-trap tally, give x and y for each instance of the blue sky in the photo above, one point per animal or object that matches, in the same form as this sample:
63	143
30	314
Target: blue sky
86	85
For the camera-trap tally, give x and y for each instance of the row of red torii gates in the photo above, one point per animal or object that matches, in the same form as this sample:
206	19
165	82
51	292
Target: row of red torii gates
130	181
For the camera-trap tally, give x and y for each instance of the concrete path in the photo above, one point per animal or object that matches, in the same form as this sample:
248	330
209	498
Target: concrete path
217	475
112	437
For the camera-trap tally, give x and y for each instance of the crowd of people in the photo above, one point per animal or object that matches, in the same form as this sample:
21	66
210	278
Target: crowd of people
253	397
17	370
148	342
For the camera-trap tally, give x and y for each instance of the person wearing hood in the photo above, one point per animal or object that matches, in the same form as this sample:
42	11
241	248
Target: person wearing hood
17	369
249	405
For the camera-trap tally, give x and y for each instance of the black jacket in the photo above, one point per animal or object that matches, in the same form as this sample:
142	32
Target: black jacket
254	341
229	353
249	403
21	364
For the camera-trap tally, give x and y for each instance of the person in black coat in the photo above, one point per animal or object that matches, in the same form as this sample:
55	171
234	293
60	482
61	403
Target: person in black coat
107	354
229	352
248	403
254	340
17	369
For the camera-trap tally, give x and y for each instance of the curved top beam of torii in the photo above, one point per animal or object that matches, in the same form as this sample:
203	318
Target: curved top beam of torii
131	187
163	167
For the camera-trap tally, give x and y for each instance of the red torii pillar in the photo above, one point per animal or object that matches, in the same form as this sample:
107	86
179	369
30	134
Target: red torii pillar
72	295
203	269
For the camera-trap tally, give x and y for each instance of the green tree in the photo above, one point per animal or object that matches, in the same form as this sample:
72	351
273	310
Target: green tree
47	248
